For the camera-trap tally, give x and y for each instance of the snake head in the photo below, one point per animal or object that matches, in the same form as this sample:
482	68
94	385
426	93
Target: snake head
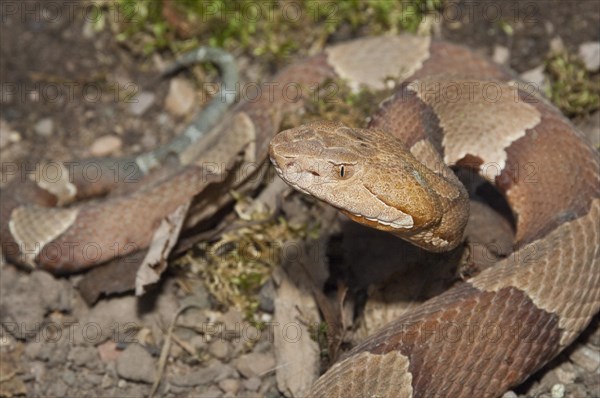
367	174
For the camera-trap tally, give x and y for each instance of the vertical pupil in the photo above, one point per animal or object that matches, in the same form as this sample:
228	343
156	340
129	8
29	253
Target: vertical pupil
342	171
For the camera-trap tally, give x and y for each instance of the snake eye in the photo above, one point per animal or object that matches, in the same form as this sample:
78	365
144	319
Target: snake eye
344	171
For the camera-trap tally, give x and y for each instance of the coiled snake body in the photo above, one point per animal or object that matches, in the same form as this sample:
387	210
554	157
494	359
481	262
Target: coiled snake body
454	108
489	333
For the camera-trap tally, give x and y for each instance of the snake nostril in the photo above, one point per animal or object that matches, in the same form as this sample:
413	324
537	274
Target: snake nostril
293	167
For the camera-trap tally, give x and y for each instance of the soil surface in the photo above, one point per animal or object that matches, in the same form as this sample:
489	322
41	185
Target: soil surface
66	93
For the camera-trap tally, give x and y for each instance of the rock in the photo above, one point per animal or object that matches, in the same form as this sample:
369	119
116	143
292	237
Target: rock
252	384
180	99
212	392
557	391
590	126
44	127
149	140
198	342
263	346
501	55
25	301
57	389
214	372
536	77
23	317
68	377
57	293
579	390
33	350
254	364
230	386
219	348
565	374
141	103
105	145
84	356
136	364
7	134
108	351
590	380
269	388
232	323
266	297
557	45
586	357
509	394
107	381
37	370
550	378
199	295
92	378
589	52
52	352
98	324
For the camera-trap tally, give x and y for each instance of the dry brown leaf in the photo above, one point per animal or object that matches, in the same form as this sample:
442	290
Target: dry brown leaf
163	241
297	355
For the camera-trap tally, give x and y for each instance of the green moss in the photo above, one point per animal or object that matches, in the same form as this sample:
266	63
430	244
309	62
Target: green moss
572	88
272	30
335	100
236	266
141	25
319	333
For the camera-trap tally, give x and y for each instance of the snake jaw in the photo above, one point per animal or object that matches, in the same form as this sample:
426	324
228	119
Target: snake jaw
405	222
286	177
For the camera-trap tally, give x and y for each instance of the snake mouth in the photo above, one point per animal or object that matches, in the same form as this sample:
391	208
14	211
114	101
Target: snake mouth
288	177
401	223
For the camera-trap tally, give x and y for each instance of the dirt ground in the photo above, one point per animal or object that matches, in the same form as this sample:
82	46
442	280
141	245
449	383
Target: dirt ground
64	96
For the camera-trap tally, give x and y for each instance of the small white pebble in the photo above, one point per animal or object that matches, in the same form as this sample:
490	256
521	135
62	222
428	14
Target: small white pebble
44	127
558	391
509	394
501	55
7	134
230	386
264	317
141	103
181	97
105	145
556	44
589	53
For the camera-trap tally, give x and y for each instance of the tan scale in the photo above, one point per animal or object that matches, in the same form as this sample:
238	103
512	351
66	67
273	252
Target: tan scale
468	112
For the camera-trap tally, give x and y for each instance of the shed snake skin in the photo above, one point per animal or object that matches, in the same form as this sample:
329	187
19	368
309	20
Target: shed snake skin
454	108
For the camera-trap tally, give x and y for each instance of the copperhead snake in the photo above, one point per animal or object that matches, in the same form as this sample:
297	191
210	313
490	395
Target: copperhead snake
454	108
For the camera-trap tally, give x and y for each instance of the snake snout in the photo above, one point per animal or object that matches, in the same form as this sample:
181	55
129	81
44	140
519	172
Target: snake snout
297	168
